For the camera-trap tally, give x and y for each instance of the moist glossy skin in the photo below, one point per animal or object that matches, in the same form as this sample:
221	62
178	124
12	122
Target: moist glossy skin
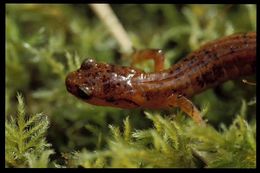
104	84
126	87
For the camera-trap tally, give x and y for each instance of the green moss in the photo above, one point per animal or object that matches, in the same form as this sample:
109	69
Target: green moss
175	144
45	42
25	143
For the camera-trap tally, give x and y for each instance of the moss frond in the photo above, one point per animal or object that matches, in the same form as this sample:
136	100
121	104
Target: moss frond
177	145
39	161
127	130
25	138
44	42
234	147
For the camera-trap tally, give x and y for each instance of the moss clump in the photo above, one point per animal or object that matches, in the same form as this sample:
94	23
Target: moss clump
45	42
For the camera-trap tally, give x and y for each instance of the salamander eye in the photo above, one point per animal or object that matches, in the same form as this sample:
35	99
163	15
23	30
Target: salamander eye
88	63
84	92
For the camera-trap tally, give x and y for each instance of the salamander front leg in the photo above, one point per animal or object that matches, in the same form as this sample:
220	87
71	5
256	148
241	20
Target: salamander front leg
154	54
186	106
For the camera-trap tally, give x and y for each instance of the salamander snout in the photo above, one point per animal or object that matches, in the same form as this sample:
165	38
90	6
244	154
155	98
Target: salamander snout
76	86
69	82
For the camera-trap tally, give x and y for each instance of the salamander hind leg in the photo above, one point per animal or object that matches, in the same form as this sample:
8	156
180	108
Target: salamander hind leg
186	106
155	54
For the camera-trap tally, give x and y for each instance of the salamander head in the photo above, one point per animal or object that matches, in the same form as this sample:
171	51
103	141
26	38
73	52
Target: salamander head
102	84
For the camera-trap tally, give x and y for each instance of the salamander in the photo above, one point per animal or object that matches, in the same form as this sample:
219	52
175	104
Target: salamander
125	87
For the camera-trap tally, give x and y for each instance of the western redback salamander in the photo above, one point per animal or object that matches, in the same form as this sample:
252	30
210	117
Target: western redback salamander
224	59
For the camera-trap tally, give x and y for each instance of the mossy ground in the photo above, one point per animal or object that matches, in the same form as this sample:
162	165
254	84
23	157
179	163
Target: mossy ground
45	42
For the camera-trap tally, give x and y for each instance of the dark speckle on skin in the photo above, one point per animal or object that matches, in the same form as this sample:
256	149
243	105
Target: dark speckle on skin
231	49
208	77
215	55
110	99
174	91
192	60
112	68
106	88
200	81
245	39
206	52
217	71
178	68
193	57
185	59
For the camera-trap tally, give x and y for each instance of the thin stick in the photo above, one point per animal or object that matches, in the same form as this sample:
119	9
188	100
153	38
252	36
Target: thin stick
247	82
108	17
